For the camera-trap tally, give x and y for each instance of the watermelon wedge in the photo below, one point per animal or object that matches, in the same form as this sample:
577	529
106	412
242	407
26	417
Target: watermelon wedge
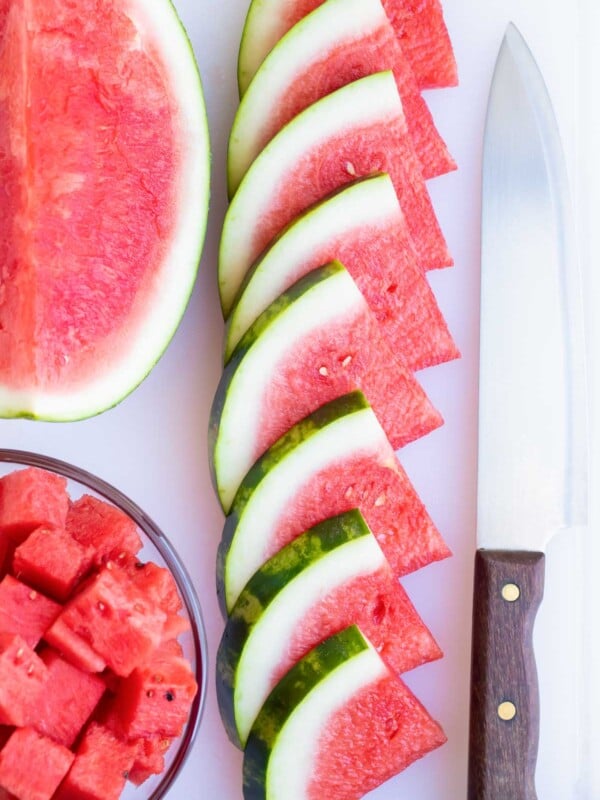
363	227
356	131
104	167
317	341
336	459
330	577
337	725
339	42
418	24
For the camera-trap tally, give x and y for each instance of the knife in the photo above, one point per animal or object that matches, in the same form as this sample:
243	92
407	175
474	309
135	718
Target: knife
532	472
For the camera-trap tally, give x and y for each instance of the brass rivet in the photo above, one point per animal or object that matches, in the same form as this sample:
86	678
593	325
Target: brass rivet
507	711
511	592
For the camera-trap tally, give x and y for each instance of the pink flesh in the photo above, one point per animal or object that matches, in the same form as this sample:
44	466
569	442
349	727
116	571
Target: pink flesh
380	607
384	146
376	51
376	484
86	223
335	358
377	734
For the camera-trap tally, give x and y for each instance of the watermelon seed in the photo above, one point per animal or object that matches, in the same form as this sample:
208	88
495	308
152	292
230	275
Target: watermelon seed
346	361
323	371
380	500
32	595
19	653
349	492
169	697
101	606
30	669
150	693
350	168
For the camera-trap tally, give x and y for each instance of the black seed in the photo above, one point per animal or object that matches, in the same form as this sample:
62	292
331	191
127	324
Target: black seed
169	696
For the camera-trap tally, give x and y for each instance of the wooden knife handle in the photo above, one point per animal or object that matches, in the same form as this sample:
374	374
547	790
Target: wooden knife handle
504	729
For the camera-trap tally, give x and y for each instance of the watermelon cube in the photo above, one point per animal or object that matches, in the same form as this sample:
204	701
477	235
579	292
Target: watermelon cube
75	649
116	620
102	527
52	561
32	766
25	611
101	767
150	758
156	698
30	498
23	676
69	699
156	582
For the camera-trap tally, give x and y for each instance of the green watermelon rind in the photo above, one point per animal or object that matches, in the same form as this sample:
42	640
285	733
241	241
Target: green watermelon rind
322	666
61	406
289	571
352	407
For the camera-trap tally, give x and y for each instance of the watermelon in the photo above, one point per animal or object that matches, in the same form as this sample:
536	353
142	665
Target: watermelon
337	725
419	26
23	677
30	498
317	341
149	759
32	766
103	527
356	131
51	561
25	611
328	578
363	227
339	42
336	459
105	172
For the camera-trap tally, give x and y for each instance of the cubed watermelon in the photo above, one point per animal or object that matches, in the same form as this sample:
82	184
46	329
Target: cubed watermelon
23	676
52	561
75	650
115	619
69	699
25	611
156	582
101	767
30	498
150	758
32	766
105	528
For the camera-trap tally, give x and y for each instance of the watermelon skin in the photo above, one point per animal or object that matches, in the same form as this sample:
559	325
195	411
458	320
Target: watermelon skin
30	498
23	677
315	582
354	132
32	766
340	482
339	42
25	611
273	380
109	308
103	528
363	227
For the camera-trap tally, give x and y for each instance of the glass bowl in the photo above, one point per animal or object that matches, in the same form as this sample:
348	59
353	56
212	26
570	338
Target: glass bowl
157	548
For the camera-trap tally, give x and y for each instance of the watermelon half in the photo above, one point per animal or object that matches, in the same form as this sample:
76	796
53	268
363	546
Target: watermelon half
419	25
336	459
336	726
104	167
363	227
317	341
339	42
330	577
356	131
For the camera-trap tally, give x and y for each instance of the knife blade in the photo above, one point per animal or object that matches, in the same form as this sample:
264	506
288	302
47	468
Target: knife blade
533	460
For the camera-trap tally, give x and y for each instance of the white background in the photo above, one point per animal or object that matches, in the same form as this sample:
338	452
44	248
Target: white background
153	446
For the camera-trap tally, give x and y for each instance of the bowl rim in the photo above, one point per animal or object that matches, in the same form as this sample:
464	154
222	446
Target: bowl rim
176	567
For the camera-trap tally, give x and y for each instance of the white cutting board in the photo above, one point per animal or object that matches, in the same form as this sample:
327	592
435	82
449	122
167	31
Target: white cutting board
153	446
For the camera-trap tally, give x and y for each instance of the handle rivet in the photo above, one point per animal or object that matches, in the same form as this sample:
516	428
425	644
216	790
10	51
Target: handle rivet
511	592
507	711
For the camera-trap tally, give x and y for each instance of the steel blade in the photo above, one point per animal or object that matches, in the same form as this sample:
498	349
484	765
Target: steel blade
532	407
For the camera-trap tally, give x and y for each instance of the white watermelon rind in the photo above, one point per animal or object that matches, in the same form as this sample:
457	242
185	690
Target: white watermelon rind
174	283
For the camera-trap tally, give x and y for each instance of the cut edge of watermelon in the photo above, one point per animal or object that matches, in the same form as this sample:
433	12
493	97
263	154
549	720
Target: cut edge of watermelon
173	285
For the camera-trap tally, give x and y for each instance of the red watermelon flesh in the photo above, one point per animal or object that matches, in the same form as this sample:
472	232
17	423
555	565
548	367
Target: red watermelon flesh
154	581
149	759
69	699
84	89
377	50
51	561
378	733
73	647
31	497
32	766
25	611
23	677
105	529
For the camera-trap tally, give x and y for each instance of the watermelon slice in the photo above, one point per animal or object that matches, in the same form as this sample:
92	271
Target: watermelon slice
330	577
419	25
104	167
337	726
336	459
363	227
32	766
339	42
317	341
356	131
